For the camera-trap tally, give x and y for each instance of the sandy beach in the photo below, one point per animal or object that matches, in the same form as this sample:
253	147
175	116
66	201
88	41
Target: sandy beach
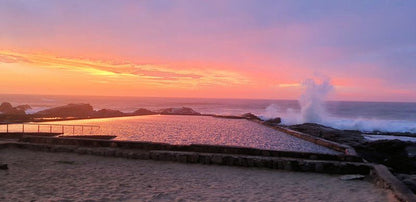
41	176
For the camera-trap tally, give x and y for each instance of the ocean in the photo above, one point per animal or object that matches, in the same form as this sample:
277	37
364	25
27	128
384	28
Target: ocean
364	116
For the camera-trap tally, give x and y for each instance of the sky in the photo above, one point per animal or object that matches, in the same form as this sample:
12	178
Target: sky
212	49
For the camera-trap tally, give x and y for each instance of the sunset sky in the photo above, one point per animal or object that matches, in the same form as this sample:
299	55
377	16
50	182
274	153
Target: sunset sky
197	48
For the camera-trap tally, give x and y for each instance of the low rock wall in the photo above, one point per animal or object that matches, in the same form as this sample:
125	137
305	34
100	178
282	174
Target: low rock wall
283	163
384	178
188	148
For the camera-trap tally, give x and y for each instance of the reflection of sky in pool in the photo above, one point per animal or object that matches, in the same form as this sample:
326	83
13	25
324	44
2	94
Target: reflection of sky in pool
194	130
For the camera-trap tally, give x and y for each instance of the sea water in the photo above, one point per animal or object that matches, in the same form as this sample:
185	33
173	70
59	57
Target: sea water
364	116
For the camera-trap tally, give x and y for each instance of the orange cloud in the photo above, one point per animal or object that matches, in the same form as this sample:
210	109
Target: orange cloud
148	74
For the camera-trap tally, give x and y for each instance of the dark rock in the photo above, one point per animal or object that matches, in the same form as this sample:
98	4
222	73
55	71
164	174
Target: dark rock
349	137
179	111
408	180
7	108
108	113
70	110
411	151
391	153
274	121
250	116
3	166
227	116
143	111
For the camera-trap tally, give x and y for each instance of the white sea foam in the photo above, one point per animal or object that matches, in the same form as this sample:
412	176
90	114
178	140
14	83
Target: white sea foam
313	110
389	137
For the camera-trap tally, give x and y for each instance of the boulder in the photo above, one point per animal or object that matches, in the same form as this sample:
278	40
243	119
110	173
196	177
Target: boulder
143	111
179	111
108	113
70	110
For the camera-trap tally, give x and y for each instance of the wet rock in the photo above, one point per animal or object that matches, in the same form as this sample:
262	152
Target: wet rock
179	111
70	110
143	111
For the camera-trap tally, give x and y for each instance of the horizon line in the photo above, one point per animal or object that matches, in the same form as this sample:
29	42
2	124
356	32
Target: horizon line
217	98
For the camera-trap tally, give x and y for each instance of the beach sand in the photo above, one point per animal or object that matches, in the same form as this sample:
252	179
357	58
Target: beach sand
43	176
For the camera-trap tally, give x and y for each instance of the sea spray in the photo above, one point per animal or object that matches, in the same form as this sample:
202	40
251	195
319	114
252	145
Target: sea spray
312	109
311	103
312	100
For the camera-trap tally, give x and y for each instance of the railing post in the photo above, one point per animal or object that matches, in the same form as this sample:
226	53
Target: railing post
7	128
38	128
23	128
63	130
82	130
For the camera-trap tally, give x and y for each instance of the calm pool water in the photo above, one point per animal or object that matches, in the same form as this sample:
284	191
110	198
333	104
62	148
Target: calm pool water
194	130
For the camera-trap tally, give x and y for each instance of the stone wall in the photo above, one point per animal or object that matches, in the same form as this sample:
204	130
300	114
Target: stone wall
188	148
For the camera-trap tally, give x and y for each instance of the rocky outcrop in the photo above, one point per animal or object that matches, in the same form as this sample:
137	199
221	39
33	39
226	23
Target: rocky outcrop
399	156
8	109
70	110
349	137
108	113
391	153
5	106
143	111
273	121
179	111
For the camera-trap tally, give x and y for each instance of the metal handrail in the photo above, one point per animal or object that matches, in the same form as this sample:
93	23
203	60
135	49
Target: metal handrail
46	124
51	127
